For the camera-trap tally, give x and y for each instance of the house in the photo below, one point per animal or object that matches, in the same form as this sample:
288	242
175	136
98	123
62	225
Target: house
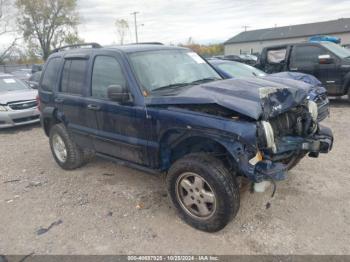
254	41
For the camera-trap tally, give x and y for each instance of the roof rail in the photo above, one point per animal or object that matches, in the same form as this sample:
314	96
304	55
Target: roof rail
92	45
147	43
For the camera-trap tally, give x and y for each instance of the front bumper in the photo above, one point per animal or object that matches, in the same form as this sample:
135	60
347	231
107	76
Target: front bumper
19	117
271	167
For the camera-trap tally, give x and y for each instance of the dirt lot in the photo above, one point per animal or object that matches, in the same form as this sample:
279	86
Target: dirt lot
103	208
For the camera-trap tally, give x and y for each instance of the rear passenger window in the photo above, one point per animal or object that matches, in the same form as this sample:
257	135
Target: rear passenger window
107	71
73	76
51	74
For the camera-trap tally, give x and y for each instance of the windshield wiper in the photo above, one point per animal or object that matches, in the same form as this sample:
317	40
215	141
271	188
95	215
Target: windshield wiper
205	80
172	86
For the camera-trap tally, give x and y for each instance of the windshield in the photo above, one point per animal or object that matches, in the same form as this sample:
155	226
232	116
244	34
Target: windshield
171	69
337	49
11	84
239	70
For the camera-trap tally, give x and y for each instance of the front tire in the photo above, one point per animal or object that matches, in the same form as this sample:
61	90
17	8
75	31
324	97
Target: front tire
66	153
203	191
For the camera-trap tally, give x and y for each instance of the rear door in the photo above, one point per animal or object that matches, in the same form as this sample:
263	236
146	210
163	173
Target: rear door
122	128
72	104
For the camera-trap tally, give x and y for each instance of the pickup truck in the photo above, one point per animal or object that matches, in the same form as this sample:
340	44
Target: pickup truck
327	61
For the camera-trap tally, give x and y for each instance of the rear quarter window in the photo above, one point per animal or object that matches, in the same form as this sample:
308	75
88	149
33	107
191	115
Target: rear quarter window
276	56
51	74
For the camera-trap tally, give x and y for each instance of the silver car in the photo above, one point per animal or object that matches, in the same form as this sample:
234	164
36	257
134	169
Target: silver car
18	105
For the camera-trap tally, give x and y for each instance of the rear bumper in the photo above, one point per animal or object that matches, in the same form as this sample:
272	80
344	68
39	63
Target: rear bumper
19	118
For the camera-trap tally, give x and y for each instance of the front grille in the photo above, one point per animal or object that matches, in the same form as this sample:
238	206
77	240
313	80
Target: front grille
25	119
294	122
23	105
323	107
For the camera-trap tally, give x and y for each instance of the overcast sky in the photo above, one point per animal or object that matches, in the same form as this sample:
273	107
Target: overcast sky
206	21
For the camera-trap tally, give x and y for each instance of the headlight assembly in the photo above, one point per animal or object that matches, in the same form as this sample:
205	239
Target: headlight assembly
2	108
313	110
269	135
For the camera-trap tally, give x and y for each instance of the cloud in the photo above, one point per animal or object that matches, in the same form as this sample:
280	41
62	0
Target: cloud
174	21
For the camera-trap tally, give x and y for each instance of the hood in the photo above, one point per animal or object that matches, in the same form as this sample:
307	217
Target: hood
291	79
306	78
253	97
17	95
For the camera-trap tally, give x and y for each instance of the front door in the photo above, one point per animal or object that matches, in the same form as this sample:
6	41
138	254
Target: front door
122	128
305	59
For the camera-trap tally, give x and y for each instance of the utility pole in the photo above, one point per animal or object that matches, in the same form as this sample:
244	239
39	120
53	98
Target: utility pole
135	21
245	27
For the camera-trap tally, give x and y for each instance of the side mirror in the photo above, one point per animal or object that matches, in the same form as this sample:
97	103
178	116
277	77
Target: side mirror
118	93
325	59
34	85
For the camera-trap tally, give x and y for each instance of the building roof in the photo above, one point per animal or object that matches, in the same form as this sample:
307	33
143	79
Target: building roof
341	25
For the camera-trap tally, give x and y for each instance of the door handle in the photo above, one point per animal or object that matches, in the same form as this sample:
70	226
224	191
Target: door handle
93	107
59	100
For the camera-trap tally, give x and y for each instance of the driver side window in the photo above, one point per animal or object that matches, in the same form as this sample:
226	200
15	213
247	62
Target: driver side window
106	72
306	55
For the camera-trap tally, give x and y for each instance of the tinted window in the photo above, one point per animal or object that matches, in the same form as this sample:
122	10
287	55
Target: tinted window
51	74
306	55
73	76
106	72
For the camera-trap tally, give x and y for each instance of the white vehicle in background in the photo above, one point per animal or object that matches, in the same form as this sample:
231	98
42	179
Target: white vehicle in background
18	105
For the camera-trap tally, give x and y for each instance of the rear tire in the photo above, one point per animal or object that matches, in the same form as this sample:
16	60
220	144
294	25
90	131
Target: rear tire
66	153
203	191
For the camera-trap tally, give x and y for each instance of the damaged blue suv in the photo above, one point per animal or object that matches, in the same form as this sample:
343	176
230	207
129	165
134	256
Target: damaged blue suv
165	110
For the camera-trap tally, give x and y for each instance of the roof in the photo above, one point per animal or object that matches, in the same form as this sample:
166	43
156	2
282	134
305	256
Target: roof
143	47
341	25
123	48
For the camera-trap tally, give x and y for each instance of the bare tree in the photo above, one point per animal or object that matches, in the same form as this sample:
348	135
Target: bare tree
6	27
48	22
122	28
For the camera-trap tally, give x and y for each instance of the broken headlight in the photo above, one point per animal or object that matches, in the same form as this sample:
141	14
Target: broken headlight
313	110
267	135
2	108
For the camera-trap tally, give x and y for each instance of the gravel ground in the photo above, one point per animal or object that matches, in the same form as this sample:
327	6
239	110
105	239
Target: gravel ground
104	208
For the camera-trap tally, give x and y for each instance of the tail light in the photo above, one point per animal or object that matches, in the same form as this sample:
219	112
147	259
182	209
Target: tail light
38	103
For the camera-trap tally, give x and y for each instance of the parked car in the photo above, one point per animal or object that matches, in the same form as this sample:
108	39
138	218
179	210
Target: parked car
164	109
246	59
318	94
22	74
34	79
327	61
18	105
36	68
